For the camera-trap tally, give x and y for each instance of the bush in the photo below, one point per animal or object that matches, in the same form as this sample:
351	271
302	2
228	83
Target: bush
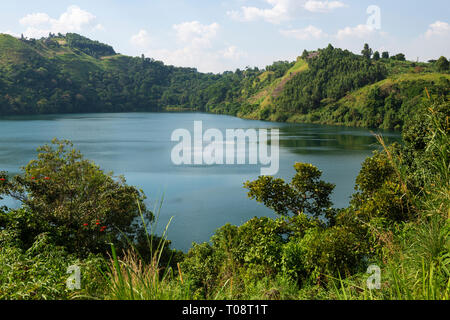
40	273
74	200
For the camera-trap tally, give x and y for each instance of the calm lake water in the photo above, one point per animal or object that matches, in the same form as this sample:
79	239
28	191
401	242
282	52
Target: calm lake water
199	198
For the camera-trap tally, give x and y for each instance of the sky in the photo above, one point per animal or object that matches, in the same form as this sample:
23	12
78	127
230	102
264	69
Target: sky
220	35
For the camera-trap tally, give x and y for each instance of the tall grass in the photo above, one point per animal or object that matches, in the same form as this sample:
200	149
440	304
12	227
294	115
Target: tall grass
130	278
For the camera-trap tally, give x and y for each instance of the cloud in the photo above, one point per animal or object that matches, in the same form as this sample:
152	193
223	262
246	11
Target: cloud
196	34
73	20
307	33
281	10
141	39
35	19
196	47
360	31
100	27
323	6
438	28
431	44
233	53
203	60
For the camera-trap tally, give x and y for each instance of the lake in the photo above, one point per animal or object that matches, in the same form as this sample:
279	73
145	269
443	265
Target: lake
199	198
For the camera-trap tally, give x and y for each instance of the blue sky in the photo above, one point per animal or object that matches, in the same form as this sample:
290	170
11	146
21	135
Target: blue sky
215	36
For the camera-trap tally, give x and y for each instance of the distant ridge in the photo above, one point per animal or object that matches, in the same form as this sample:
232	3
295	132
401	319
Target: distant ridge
74	74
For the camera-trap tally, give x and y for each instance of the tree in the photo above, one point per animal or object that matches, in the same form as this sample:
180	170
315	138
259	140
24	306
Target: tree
73	200
305	54
367	51
376	56
385	55
399	57
442	64
305	194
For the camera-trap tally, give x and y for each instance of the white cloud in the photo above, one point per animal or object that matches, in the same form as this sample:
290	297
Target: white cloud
281	10
203	60
360	31
431	44
141	39
196	34
307	33
233	53
73	20
100	27
35	19
438	28
195	47
323	6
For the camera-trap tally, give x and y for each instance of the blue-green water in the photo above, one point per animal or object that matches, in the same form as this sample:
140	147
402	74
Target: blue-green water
200	198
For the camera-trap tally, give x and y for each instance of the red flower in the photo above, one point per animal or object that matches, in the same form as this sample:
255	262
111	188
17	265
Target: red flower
85	224
46	178
2	179
32	178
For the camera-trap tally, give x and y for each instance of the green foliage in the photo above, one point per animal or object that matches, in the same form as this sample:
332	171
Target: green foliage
74	200
398	218
443	64
367	51
376	56
337	250
399	57
40	273
331	75
387	104
305	194
92	48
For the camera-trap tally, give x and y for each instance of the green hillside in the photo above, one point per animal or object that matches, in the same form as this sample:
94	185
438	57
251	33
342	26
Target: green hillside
351	96
70	73
386	104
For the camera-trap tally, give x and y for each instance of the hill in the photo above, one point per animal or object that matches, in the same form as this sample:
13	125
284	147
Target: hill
71	74
337	87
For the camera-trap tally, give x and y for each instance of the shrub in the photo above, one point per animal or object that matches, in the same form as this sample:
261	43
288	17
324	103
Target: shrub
72	199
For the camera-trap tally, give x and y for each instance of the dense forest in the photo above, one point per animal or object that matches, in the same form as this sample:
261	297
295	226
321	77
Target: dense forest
73	74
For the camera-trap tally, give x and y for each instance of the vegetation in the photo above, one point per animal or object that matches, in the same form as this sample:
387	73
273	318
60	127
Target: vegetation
71	214
74	214
398	219
73	74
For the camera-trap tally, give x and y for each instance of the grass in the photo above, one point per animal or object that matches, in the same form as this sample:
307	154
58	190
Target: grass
129	278
359	97
264	97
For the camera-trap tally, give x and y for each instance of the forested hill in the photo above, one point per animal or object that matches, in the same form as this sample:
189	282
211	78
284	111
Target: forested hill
73	74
